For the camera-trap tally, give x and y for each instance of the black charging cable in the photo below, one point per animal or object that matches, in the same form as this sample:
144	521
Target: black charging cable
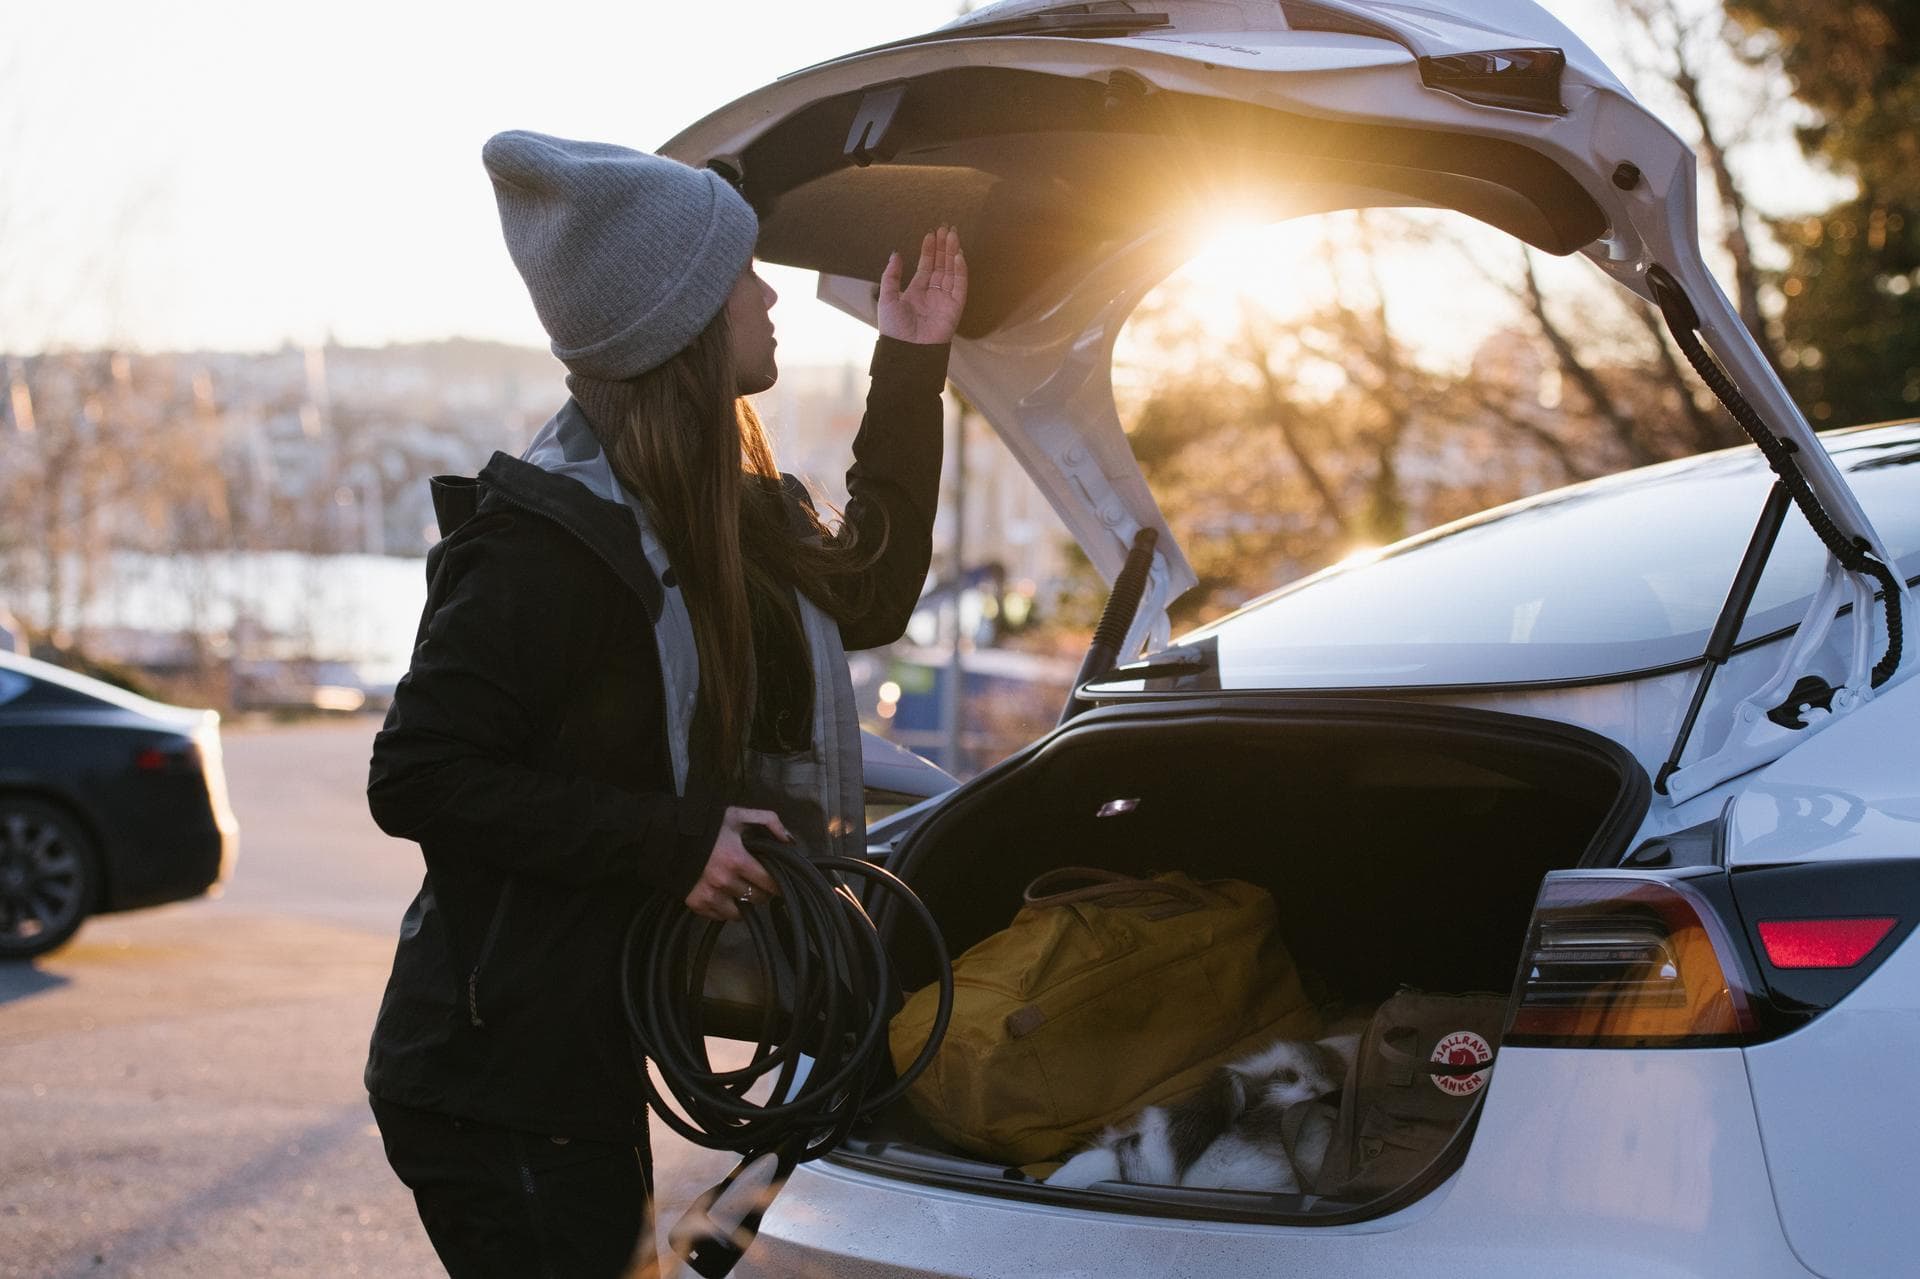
1852	554
828	989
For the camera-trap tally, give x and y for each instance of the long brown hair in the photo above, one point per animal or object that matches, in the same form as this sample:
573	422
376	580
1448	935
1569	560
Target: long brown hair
698	456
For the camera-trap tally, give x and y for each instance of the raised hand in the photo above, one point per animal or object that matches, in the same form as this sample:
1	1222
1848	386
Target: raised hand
928	309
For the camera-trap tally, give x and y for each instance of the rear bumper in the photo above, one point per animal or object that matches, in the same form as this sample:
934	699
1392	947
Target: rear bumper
1841	1126
177	836
172	865
1598	1164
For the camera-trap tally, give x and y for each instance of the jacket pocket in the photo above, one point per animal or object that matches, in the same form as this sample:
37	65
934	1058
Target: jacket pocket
494	927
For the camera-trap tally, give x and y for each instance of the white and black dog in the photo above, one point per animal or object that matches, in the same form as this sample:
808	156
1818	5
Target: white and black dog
1230	1134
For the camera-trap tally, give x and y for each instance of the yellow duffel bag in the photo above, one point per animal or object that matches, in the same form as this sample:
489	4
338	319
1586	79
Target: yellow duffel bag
1105	995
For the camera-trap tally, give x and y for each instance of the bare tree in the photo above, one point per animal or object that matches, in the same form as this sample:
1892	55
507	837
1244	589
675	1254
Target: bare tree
1691	50
1288	438
1577	371
1707	428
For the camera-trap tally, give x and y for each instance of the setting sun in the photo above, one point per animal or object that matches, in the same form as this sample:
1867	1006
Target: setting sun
1429	269
1279	267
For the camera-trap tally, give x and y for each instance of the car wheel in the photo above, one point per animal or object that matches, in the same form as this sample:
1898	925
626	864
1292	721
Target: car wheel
49	876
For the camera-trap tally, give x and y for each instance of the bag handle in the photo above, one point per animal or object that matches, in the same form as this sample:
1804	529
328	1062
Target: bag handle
1402	1065
1106	885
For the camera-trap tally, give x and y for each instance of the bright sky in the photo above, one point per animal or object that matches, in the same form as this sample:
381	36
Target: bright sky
229	175
232	174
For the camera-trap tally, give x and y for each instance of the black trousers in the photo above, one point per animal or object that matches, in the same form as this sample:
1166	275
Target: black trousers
501	1202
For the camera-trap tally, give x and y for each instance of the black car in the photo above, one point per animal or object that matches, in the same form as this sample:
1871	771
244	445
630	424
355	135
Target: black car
108	801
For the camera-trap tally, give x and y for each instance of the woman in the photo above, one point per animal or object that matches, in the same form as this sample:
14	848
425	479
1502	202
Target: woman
631	653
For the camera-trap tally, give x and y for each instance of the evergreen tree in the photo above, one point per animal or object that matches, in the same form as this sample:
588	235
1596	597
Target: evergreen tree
1852	285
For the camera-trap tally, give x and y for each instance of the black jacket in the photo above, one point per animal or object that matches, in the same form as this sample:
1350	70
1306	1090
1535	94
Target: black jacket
526	752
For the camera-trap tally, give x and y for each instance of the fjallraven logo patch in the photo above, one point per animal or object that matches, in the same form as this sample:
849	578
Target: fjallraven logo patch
1461	1048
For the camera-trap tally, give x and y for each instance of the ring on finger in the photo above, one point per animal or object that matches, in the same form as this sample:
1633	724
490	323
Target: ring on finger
745	897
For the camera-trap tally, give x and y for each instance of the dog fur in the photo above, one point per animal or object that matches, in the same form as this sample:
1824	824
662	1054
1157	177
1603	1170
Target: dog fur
1229	1134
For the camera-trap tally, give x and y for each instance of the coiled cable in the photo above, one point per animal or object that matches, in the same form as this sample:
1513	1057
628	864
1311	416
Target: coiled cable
829	991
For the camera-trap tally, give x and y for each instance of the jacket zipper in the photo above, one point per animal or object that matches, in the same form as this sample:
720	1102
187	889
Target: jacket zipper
486	949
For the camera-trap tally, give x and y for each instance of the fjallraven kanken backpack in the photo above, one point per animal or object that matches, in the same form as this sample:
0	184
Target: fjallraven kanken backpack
1419	1070
1105	995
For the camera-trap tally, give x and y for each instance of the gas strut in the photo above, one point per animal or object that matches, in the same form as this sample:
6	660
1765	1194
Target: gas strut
1733	613
1129	585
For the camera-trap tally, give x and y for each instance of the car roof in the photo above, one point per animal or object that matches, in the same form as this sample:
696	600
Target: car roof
100	691
1335	639
1840	443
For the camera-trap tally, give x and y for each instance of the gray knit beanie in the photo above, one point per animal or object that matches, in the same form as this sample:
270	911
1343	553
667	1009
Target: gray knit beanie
627	255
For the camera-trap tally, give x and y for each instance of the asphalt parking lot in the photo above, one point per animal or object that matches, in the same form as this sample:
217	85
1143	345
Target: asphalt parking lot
181	1086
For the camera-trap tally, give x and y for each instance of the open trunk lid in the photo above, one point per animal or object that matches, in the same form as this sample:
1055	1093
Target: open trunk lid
1081	148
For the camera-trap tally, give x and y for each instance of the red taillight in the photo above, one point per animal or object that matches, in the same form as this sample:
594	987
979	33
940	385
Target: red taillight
1822	943
1616	960
176	759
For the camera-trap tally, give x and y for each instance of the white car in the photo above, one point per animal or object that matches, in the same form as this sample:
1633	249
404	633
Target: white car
1618	748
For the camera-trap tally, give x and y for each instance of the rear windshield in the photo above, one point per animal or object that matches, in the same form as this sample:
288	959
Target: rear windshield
1618	575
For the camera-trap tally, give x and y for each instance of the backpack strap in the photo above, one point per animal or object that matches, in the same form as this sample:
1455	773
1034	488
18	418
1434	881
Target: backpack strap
1105	886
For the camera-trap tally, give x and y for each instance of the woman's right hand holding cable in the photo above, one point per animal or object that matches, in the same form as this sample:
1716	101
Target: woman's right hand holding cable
732	872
